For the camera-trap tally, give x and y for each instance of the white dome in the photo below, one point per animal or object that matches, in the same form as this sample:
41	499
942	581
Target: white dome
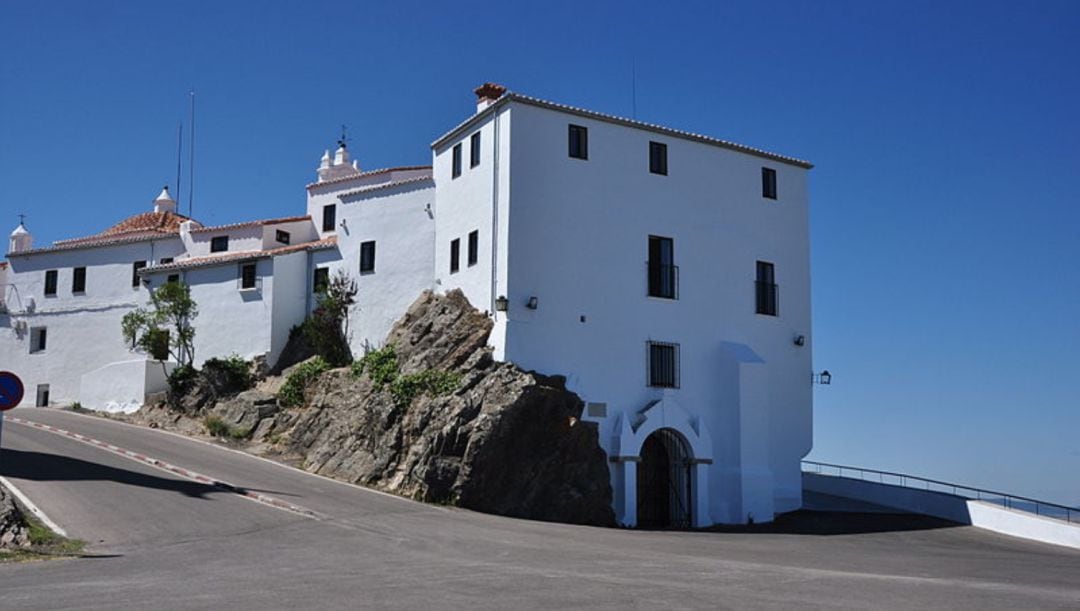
20	230
164	196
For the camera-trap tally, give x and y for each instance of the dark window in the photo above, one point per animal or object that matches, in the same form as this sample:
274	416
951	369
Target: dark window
42	396
663	365
474	150
766	289
329	217
768	183
135	267
78	280
173	278
455	171
455	255
658	158
283	236
247	276
663	273
322	279
474	247
367	257
50	282
38	335
579	142
165	261
219	244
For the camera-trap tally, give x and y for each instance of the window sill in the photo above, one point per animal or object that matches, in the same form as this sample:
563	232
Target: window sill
661	298
251	289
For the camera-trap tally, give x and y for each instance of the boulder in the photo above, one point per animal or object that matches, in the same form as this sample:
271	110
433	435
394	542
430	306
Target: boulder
505	441
246	410
14	531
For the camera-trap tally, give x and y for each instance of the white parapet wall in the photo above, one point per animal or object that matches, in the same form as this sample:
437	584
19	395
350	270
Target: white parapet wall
122	386
981	514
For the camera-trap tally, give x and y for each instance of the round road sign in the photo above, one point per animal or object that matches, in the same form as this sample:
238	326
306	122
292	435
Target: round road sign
11	390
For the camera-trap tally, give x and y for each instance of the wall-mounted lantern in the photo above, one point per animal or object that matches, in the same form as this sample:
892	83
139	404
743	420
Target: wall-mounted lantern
532	303
800	340
502	304
824	378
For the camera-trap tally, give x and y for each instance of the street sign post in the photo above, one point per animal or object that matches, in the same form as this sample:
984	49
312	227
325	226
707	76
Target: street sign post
11	393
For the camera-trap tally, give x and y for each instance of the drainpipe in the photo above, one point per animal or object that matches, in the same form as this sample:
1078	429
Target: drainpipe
495	219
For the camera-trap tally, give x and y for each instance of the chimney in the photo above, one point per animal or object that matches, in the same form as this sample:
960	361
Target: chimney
164	201
486	95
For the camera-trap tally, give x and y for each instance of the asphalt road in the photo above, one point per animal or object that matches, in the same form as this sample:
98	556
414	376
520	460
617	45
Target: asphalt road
165	542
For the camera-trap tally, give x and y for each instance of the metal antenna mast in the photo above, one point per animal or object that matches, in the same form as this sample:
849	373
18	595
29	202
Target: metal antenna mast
179	155
191	153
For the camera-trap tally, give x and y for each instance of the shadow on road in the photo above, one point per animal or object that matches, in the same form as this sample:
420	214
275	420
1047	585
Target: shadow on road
806	522
42	467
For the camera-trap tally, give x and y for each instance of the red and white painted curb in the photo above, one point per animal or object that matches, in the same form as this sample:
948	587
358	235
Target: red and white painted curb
171	468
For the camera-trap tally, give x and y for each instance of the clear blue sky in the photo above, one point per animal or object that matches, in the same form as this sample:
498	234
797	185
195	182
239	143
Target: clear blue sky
945	216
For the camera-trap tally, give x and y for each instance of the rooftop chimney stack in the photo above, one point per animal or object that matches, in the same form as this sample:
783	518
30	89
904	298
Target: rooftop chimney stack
486	95
164	202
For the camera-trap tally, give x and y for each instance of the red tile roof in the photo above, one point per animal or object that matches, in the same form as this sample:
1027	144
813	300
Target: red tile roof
140	224
236	257
367	174
243	224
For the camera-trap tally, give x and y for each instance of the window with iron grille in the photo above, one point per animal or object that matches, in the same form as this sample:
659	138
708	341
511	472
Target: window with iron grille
768	183
579	142
455	170
658	158
766	289
663	364
219	244
78	280
367	257
51	277
474	247
455	255
173	278
329	217
135	267
663	273
474	150
322	279
283	237
247	276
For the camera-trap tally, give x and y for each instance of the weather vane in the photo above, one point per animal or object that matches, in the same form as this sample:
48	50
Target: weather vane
344	135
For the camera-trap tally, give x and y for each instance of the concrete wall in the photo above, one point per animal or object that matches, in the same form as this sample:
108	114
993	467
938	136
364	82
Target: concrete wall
83	330
122	387
949	507
578	241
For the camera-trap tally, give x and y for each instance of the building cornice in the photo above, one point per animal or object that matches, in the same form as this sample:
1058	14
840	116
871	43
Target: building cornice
509	97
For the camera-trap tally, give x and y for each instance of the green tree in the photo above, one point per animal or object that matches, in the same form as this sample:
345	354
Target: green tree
327	329
165	328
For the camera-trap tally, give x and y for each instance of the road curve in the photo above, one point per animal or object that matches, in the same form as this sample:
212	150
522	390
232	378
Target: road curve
171	543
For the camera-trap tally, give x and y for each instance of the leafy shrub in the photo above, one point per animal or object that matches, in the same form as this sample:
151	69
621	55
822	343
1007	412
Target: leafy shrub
180	379
381	366
216	426
292	391
235	370
430	382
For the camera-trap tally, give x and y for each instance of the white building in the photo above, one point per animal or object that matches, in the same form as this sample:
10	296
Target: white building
665	273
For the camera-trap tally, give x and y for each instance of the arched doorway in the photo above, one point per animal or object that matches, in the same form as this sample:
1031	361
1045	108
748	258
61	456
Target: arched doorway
663	481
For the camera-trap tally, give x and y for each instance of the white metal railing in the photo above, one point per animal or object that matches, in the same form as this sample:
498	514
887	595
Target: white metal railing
1009	501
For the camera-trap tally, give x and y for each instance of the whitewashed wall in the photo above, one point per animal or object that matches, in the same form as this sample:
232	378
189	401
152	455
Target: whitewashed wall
400	221
320	195
578	239
83	331
476	201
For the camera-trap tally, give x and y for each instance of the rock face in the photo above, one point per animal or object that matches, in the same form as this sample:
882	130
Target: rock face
13	529
505	441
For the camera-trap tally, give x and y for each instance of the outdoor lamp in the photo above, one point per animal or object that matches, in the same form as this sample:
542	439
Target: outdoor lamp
501	303
532	303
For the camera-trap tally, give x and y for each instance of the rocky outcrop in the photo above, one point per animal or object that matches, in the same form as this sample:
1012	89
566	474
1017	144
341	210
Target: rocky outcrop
13	529
503	441
246	411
